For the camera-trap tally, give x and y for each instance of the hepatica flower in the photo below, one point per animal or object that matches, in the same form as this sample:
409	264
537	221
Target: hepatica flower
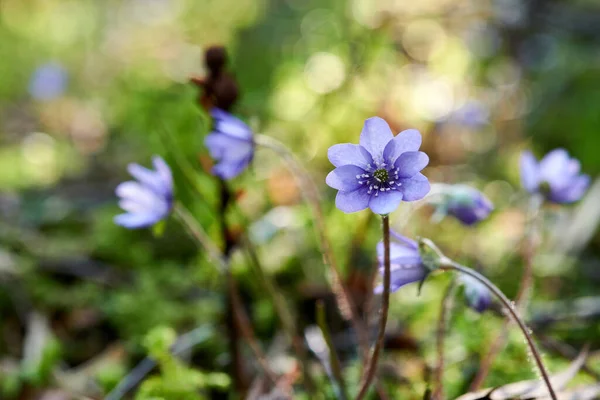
478	296
230	143
48	82
464	203
406	264
473	114
380	172
147	200
556	176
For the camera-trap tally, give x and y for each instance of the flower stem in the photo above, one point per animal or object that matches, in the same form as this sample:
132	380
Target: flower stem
446	264
447	304
523	292
216	256
311	196
385	303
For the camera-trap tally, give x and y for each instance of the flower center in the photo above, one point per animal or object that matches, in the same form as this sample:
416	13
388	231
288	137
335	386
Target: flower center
381	175
545	188
378	179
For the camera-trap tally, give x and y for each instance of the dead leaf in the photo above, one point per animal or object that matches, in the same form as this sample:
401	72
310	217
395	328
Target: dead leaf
581	393
533	388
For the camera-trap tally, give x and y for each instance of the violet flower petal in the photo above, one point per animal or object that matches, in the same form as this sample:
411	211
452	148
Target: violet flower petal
410	163
573	192
414	188
407	140
530	176
347	153
385	202
345	178
354	201
403	276
375	135
136	221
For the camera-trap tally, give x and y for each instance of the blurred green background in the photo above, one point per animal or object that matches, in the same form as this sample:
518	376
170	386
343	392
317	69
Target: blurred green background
87	87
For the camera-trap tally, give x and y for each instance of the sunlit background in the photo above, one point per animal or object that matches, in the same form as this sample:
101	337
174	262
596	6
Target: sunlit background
87	87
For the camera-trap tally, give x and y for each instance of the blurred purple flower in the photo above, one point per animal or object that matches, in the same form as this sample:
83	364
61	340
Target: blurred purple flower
465	203
148	200
48	82
473	114
230	143
406	264
556	176
379	172
478	296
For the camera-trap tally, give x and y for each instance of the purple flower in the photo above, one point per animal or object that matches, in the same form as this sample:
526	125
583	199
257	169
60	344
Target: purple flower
556	177
148	200
406	264
473	114
230	143
379	172
48	82
478	295
465	203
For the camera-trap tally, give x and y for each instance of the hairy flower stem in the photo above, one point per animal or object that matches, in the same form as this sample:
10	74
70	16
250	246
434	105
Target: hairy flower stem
385	303
446	264
442	328
523	293
311	196
202	238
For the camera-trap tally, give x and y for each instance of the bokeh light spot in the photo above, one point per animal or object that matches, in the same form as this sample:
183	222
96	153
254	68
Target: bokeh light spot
324	72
